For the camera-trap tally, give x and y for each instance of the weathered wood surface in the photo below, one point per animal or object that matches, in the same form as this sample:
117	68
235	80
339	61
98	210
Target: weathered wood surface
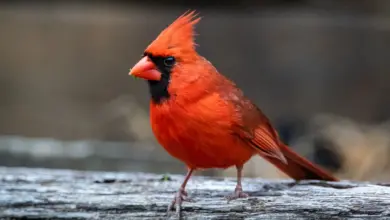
64	194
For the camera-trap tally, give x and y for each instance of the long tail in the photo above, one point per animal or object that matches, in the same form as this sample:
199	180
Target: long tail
298	167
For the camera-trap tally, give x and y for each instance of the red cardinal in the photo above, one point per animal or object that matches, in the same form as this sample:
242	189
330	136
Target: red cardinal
201	118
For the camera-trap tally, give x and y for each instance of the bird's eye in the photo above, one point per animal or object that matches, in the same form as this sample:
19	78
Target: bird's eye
169	61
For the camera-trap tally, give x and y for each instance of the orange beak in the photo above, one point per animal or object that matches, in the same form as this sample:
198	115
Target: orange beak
145	69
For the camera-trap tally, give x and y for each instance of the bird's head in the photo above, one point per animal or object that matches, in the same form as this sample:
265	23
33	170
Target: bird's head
169	57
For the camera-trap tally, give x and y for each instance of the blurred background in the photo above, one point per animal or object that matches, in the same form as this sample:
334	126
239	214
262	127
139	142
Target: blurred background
319	69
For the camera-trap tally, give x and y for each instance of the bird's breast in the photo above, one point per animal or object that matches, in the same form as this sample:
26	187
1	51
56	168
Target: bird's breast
199	134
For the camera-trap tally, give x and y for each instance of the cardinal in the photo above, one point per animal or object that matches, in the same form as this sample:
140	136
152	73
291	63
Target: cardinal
202	118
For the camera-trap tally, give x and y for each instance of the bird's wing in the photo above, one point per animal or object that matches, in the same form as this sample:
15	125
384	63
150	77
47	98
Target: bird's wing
263	140
253	127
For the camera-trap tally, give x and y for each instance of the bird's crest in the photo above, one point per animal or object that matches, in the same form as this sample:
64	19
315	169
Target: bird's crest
177	38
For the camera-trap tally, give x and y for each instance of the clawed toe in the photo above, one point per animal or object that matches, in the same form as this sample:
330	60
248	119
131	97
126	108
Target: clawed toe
238	193
177	201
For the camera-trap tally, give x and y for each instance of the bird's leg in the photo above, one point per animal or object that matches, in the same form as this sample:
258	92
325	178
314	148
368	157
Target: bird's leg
238	193
181	195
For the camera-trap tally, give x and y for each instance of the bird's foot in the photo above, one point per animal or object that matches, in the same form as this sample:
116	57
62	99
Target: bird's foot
179	198
238	193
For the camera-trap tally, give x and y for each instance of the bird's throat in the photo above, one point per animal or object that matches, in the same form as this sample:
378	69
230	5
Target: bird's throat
159	90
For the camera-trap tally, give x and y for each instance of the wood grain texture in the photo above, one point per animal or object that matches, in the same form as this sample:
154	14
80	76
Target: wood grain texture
64	194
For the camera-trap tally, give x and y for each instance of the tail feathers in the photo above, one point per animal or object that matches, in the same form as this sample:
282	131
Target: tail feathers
298	167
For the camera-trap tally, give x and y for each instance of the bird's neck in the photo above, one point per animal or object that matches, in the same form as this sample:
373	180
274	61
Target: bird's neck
188	86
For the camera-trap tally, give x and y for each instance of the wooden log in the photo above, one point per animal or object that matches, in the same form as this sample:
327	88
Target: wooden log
27	193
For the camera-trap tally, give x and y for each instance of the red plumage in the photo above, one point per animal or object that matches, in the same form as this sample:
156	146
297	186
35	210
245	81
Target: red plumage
201	118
